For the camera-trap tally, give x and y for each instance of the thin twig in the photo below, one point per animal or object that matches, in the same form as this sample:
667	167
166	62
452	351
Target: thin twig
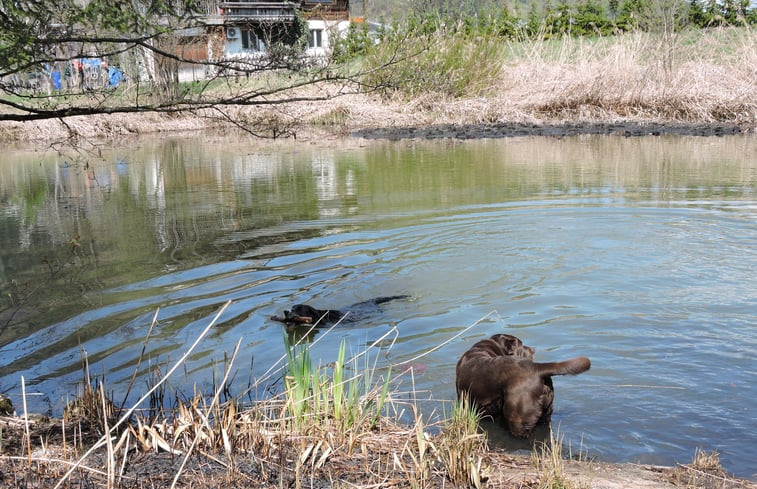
702	472
444	342
141	356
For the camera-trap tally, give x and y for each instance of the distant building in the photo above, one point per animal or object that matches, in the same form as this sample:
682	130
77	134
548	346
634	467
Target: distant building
250	27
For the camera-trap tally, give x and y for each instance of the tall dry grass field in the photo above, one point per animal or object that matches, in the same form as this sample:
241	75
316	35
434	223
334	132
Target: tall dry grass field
698	76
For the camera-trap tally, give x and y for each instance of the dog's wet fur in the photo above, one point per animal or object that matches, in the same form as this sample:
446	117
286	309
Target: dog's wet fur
306	314
498	375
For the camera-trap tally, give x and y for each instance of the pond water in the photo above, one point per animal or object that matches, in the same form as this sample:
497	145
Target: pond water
639	253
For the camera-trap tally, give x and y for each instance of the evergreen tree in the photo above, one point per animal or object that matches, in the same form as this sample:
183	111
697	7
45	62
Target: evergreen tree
630	13
699	15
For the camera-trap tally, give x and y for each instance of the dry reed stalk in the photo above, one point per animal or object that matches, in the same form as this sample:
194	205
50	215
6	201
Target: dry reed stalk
210	408
141	356
111	460
145	396
440	345
127	435
26	423
63	432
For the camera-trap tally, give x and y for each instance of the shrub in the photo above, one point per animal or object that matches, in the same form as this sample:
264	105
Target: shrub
449	62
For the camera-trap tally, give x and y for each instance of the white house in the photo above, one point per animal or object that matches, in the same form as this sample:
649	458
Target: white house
251	26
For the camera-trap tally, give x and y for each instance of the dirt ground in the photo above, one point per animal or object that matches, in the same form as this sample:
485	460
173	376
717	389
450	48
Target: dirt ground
375	463
360	116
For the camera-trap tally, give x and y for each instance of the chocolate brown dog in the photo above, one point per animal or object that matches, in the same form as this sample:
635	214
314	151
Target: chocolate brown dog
499	377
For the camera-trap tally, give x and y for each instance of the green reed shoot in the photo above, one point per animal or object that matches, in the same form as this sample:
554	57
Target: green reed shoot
298	381
338	388
342	400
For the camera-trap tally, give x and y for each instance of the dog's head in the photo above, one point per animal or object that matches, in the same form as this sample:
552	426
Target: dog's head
305	314
511	346
527	402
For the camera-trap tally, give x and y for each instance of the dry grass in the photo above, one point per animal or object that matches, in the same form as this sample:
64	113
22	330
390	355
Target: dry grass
627	77
549	462
699	77
703	472
462	445
334	424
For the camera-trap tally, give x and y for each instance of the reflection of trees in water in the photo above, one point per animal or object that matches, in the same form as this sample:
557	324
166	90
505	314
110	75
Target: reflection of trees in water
75	227
136	213
47	254
44	283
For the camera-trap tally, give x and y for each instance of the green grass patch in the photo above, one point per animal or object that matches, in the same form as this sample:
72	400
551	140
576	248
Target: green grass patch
349	399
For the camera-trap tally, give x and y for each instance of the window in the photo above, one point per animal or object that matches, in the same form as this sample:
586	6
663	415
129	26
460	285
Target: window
315	38
251	41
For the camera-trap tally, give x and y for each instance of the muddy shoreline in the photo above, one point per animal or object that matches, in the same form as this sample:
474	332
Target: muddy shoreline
55	449
356	117
504	130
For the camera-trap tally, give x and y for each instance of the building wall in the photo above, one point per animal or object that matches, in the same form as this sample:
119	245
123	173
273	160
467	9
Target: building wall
246	41
325	31
321	37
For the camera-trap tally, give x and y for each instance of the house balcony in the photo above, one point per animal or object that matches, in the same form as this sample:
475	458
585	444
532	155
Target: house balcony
257	11
236	12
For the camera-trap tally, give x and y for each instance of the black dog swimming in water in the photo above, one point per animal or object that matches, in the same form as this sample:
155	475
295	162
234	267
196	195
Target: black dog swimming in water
305	314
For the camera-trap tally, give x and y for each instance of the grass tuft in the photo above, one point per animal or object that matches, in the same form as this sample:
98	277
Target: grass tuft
462	444
707	462
340	404
548	459
703	472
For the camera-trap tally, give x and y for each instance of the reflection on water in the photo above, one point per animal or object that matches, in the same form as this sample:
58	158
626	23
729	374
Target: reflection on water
638	253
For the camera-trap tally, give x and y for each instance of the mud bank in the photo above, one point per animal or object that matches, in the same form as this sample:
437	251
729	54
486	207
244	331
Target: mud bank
379	461
476	131
359	116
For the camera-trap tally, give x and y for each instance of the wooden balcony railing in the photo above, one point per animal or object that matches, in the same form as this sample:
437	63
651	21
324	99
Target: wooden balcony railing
258	11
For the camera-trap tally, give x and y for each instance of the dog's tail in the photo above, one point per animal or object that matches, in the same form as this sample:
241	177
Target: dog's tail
574	366
381	300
